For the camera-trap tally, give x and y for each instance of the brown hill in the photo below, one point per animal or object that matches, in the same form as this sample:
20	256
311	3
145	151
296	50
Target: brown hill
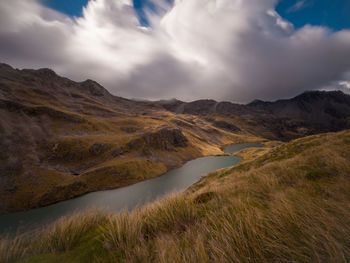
60	138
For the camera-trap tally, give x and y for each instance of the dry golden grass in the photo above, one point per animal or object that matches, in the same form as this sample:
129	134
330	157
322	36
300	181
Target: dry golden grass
12	248
61	236
291	204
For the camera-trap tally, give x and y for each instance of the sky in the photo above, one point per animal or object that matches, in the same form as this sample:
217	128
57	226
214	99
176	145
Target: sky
233	50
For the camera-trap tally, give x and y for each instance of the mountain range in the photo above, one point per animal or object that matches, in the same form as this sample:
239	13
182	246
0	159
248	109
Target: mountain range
60	138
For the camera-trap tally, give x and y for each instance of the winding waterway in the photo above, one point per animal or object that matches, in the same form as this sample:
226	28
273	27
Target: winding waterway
129	196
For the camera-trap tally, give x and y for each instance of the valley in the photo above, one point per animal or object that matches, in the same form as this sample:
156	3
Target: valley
61	139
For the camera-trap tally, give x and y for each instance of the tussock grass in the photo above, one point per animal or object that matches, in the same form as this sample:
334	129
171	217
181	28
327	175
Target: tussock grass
61	236
122	232
128	235
291	204
12	249
66	233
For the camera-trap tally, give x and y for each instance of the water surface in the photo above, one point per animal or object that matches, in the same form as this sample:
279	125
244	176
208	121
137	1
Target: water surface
126	197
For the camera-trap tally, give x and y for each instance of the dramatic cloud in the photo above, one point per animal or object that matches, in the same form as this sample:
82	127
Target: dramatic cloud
235	50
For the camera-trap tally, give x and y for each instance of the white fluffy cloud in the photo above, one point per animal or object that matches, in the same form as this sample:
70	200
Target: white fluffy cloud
235	50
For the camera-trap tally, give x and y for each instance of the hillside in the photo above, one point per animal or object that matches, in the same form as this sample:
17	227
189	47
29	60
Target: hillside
290	204
60	139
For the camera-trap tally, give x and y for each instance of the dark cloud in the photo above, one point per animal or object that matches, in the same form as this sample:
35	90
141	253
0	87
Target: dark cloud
222	49
164	71
31	35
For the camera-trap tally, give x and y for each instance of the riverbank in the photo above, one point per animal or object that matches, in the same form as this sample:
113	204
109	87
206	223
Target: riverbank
127	168
126	197
290	204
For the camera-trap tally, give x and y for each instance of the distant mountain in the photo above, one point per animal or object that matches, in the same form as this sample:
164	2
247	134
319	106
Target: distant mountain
315	111
320	107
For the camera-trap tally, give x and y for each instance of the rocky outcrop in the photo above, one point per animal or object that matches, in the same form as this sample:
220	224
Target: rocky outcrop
164	139
93	88
99	148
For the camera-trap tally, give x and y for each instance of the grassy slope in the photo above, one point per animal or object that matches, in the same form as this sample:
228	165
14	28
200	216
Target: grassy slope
68	151
290	204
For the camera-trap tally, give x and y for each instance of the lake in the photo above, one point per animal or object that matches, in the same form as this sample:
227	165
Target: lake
126	197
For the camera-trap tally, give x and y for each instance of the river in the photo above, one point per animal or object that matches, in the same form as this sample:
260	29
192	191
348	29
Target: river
126	197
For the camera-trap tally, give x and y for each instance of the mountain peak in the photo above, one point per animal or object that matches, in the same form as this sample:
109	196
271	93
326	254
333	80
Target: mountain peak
94	88
257	103
45	73
5	66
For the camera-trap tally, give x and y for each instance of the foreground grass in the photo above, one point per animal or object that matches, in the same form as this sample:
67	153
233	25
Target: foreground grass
291	204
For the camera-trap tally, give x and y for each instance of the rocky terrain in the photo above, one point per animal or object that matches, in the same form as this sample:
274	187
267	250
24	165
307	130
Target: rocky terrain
60	138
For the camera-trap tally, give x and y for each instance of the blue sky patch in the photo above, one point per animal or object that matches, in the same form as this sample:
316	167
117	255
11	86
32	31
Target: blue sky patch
68	7
334	14
140	6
